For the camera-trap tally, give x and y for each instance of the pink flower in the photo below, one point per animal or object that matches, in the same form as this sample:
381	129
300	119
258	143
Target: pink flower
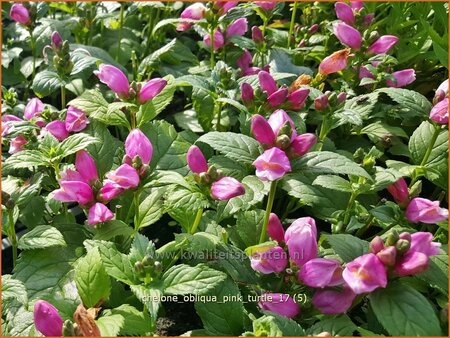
439	113
238	27
348	35
34	108
57	129
411	263
365	72
99	213
137	144
275	228
257	34
321	102
278	119
262	131
334	62
57	40
321	272
267	82
333	302
219	40
298	98
279	303
267	5
272	165
399	190
388	256
365	274
109	191
383	44
86	167
151	89
245	60
47	319
423	242
7	126
196	160
376	245
20	14
76	119
114	78
301	240
277	98
344	12
225	6
269	261
357	5
425	211
402	78
247	94
367	20
125	177
16	144
193	12
226	188
303	143
74	191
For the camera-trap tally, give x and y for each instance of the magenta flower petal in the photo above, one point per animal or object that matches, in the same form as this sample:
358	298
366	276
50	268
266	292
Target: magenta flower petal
303	143
399	190
74	191
47	319
86	166
333	302
109	191
425	211
423	242
344	12
439	113
17	144
365	274
226	188
272	165
196	160
269	261
34	108
321	272
257	34
267	82
357	5
383	44
151	89
99	213
137	144
279	97
225	6
347	35
334	62
195	11
279	303
57	40
411	263
262	131
245	60
298	97
125	176
278	119
267	5
57	129
301	240
247	94
237	28
218	40
114	78
76	119
402	78
275	228
20	14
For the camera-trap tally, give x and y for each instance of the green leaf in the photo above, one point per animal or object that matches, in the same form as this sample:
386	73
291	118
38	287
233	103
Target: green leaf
276	326
226	316
43	236
136	323
25	159
151	208
13	289
336	325
240	148
333	182
348	247
191	199
379	130
362	105
403	311
91	102
409	100
247	230
91	279
421	139
46	82
327	162
110	325
437	273
110	229
184	279
149	296
74	143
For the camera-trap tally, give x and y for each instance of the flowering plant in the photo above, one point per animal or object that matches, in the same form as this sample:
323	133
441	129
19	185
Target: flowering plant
223	168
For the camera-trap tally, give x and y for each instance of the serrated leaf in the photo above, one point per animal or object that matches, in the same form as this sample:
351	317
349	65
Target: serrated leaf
25	159
333	182
276	326
247	230
347	247
110	229
13	289
110	325
179	197
150	296
409	100
336	326
378	130
42	236
437	273
74	143
151	208
46	82
135	322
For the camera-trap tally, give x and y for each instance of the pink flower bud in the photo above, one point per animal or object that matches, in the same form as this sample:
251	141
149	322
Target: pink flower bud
86	167
347	35
298	98
226	188
267	5
365	72
439	113
272	165
399	190
7	125
365	274
76	119
357	5
193	12
279	303
321	102
387	256
279	97
402	78
34	108
57	40
267	82
335	62
225	6
367	20
238	27
125	177
342	97
114	78
109	191
383	44
99	213
321	272
245	60
275	228
262	131
257	34
376	245
151	89
196	160
218	40
344	12
16	144
303	143
47	319
247	95
269	261
333	302
137	144
443	87
406	236
423	242
301	240
57	129
425	211
278	119
313	29
74	191
411	263
20	14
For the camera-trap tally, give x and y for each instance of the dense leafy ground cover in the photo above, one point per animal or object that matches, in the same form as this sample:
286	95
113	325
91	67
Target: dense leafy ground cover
225	168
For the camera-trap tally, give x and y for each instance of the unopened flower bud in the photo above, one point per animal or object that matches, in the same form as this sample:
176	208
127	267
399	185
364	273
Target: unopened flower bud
283	142
321	102
139	267
204	178
136	162
157	267
147	260
302	43
392	238
257	34
313	29
68	329
387	256
406	236
341	97
415	190
402	246
376	245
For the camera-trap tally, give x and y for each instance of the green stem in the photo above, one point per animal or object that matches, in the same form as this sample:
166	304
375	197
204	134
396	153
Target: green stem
63	97
33	52
264	47
291	27
12	236
136	199
219	115
120	31
271	198
323	131
56	168
132	119
352	199
211	40
197	220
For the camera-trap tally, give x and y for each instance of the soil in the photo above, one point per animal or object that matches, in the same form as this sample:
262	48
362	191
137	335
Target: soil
178	319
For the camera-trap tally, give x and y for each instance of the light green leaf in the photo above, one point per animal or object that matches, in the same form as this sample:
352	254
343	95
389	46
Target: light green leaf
25	159
42	236
150	296
409	100
151	208
46	82
437	273
379	130
110	229
135	322
333	182
110	325
276	326
13	289
74	143
335	325
347	247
